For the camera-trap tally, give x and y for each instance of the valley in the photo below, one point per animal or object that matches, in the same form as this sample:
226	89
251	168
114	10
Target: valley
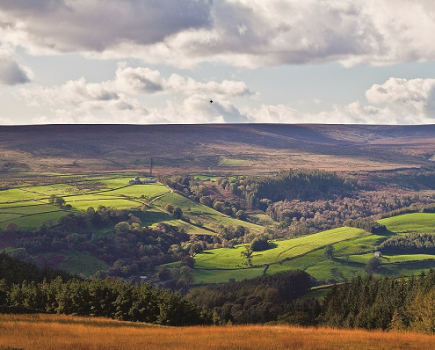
332	203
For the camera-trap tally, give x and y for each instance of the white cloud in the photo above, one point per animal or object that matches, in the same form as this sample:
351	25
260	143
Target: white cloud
197	110
115	101
145	80
397	101
12	73
245	33
407	101
275	114
6	121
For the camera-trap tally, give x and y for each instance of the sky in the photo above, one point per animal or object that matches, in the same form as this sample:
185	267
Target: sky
259	61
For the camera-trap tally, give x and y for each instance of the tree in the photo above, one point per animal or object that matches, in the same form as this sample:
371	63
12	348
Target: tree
259	243
329	251
195	248
52	199
188	261
60	202
177	213
422	312
169	208
219	206
122	227
247	253
373	264
164	273
187	273
241	215
206	200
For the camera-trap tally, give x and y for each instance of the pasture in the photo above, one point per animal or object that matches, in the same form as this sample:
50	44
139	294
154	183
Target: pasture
414	222
280	251
219	265
28	206
352	250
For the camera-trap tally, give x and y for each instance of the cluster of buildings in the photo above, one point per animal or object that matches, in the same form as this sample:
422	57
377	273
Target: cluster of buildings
137	181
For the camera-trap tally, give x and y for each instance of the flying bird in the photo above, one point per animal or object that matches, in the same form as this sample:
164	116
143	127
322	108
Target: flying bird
211	101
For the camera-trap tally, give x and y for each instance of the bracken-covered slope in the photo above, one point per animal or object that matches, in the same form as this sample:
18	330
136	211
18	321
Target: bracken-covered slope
228	148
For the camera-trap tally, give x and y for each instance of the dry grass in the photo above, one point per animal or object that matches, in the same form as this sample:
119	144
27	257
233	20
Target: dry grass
67	332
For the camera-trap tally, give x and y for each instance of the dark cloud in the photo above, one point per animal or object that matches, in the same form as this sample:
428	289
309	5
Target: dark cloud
96	25
11	73
242	33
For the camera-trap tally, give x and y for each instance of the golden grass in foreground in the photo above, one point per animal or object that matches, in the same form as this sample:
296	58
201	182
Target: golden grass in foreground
67	332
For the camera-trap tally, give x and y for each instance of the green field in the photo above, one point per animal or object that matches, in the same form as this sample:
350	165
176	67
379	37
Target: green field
353	249
230	258
28	206
415	222
18	195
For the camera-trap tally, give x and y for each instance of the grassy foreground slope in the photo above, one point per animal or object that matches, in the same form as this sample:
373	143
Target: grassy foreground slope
45	332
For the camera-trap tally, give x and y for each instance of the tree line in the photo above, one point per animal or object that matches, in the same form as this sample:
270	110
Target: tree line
382	303
258	300
112	297
412	243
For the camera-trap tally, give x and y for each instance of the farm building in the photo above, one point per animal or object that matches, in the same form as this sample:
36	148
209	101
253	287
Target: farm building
137	181
377	254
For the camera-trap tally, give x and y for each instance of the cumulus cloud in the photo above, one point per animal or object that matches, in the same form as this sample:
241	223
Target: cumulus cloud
11	73
406	101
246	33
145	80
397	101
192	110
115	101
275	114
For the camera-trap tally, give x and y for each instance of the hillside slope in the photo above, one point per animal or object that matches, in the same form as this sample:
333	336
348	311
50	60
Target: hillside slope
213	148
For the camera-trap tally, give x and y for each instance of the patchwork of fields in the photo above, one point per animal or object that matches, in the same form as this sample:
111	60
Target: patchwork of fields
29	206
353	249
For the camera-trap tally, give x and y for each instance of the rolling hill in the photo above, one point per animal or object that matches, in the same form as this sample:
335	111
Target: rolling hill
229	148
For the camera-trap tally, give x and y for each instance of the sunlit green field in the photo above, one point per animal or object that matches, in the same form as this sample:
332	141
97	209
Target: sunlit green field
18	195
230	258
414	222
29	206
352	250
